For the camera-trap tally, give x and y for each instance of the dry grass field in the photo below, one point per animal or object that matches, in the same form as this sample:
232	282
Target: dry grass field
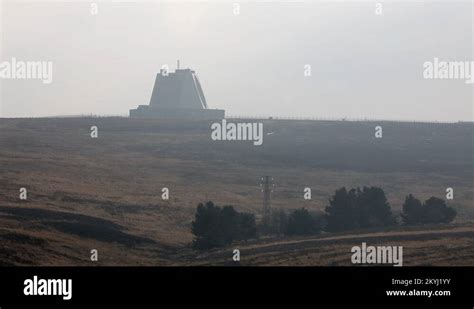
105	193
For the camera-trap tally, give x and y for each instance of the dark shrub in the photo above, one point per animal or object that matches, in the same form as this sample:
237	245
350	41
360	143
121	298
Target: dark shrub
342	211
412	210
215	227
248	227
301	222
356	208
275	224
207	227
434	210
373	208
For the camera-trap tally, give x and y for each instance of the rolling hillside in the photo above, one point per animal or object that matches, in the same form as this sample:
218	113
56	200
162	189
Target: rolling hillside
105	193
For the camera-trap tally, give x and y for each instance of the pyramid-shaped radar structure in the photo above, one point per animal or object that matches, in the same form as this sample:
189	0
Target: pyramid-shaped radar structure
179	90
177	95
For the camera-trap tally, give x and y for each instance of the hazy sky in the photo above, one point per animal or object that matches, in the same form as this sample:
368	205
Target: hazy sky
363	65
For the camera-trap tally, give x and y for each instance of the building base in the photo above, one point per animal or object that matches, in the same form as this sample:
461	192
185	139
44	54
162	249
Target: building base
144	111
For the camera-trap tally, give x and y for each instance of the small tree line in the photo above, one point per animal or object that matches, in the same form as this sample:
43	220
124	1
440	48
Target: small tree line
352	209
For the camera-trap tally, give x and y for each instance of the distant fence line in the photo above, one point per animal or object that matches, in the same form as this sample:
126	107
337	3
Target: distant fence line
262	117
83	116
266	117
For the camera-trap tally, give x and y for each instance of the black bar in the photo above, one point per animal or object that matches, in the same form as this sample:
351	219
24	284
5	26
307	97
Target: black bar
238	285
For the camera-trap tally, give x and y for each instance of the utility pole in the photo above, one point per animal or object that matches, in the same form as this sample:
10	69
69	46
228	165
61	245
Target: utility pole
267	186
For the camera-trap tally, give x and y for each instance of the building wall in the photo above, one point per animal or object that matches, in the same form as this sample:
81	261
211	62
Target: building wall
177	95
165	113
177	90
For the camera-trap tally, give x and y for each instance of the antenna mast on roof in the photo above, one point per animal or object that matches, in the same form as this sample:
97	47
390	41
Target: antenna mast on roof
177	65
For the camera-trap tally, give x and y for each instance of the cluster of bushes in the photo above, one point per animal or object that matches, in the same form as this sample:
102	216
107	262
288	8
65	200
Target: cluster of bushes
433	210
368	208
347	210
215	226
358	208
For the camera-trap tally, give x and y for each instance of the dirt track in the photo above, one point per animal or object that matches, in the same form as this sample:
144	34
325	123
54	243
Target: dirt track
447	246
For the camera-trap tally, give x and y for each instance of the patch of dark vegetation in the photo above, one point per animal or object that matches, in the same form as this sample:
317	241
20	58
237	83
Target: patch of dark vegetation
99	232
77	224
433	210
358	209
216	227
302	222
